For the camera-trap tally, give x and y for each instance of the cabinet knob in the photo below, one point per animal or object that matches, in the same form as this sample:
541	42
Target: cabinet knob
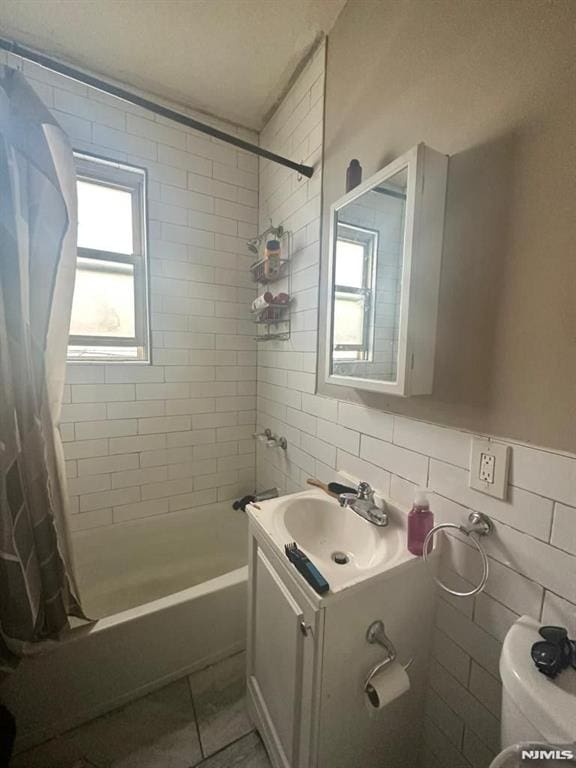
306	629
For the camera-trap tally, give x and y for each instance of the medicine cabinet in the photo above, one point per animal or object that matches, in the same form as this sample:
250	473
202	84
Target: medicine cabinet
385	251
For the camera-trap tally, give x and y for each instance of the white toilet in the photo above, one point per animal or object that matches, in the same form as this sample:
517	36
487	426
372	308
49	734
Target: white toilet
536	711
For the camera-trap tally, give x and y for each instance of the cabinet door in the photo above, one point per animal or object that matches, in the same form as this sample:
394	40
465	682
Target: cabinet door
281	646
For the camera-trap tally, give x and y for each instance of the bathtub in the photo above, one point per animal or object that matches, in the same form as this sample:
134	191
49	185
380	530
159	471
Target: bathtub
128	564
133	650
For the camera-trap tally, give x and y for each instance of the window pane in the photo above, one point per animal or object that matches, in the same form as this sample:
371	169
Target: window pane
103	299
348	320
349	264
104	218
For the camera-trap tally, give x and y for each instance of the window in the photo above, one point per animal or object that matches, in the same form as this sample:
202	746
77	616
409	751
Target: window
353	280
110	307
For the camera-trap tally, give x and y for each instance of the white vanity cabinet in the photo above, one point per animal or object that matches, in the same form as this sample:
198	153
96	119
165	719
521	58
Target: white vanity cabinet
284	642
308	659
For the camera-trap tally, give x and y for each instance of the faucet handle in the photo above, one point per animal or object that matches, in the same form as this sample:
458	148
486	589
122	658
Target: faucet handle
347	499
365	491
264	437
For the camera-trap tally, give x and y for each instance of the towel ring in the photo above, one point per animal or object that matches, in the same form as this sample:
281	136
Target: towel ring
481	525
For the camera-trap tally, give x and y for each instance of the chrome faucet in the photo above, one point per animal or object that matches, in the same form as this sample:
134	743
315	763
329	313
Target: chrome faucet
362	502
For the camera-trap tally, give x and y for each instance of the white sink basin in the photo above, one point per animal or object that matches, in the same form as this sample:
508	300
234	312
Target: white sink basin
325	531
322	527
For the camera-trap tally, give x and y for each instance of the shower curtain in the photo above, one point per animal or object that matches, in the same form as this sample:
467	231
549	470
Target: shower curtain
37	270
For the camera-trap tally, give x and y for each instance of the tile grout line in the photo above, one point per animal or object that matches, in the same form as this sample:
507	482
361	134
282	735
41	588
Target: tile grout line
193	705
471	658
224	748
472	695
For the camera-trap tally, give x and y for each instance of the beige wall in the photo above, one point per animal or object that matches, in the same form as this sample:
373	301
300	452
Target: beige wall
492	84
533	552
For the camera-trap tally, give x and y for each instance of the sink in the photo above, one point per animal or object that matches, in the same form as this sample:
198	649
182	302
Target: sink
344	547
322	527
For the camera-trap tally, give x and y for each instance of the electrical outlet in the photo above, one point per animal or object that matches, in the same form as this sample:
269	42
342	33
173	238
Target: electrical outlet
489	463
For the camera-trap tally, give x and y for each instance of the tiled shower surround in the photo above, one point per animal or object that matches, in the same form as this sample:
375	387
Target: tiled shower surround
533	550
150	439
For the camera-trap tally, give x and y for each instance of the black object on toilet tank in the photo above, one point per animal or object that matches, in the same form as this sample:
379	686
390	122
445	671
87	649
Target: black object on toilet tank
555	652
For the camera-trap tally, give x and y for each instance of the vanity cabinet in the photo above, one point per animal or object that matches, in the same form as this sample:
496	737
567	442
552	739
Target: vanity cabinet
283	647
308	660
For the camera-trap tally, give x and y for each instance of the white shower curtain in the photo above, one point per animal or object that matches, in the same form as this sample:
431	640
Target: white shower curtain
37	269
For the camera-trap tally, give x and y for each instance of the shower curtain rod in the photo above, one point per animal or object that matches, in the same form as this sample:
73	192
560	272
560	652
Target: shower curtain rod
94	82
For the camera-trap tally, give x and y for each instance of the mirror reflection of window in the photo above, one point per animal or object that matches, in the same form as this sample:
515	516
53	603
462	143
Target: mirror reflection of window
367	281
353	285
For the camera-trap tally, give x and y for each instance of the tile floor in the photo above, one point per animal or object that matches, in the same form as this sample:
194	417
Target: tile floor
200	720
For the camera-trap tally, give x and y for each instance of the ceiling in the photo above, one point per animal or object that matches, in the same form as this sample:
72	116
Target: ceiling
231	58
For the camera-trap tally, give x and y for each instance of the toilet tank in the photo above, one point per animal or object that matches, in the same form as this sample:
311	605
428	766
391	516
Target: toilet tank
515	727
534	708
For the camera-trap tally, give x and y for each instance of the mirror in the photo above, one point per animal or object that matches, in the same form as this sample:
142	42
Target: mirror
367	279
384	272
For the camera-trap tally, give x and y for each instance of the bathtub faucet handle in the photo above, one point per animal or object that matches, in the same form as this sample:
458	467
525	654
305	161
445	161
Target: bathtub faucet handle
264	436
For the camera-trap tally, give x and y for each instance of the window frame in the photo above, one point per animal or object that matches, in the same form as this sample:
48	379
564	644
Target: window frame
368	238
114	174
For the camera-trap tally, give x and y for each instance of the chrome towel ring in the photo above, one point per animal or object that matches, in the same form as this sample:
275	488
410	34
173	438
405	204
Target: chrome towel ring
481	525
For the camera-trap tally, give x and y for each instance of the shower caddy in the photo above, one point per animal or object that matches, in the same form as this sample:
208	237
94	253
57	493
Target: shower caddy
273	321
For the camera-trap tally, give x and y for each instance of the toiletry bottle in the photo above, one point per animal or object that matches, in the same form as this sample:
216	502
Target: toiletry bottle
420	522
353	175
262	301
272	252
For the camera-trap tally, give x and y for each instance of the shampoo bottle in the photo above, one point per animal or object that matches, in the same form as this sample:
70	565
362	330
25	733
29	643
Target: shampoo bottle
420	522
272	253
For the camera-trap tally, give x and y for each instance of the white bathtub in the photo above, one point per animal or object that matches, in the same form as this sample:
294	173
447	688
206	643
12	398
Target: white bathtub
104	665
128	564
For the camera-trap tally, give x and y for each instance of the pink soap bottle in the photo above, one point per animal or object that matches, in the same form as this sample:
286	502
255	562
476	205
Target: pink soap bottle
420	522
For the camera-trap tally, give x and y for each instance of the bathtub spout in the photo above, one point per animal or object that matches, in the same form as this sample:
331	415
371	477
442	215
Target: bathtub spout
271	493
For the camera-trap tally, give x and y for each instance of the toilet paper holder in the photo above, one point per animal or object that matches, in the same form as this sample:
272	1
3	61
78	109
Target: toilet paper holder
375	634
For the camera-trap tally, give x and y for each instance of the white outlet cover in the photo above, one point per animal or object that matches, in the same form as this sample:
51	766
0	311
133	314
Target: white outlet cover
487	464
501	454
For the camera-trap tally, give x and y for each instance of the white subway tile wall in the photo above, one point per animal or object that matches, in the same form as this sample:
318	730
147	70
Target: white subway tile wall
533	550
145	440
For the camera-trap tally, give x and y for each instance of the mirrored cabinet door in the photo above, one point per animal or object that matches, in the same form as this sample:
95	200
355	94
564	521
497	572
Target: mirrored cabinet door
385	252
